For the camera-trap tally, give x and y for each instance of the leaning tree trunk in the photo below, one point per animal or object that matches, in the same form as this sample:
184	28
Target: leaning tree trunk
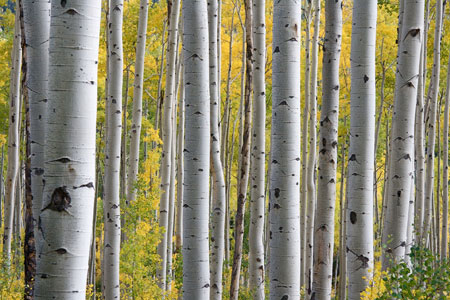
218	204
361	153
329	121
13	140
284	195
244	155
69	191
258	155
401	156
36	25
311	171
167	132
196	151
434	87
444	246
136	121
111	201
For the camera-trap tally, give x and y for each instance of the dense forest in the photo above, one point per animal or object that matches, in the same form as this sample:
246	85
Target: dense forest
224	149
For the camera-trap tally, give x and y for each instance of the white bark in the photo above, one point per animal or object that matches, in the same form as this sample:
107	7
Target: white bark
284	218
13	139
329	121
434	88
196	151
359	227
395	222
258	155
136	121
218	204
111	202
167	132
180	162
65	220
444	241
311	171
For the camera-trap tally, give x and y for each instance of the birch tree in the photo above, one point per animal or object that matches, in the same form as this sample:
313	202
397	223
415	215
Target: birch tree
359	229
136	118
395	223
258	155
196	284
218	203
65	220
13	139
111	202
284	216
329	121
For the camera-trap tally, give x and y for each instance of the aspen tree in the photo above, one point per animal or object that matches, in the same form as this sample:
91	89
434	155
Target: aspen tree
359	227
284	195
395	222
13	139
136	117
326	192
444	242
65	220
111	202
196	283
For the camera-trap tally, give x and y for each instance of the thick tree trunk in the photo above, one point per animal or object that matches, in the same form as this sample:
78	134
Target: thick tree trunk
111	202
284	218
218	187
329	121
434	88
401	168
65	220
13	140
258	155
136	119
196	151
361	153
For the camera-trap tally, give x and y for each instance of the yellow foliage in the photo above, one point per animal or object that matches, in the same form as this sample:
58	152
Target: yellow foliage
376	286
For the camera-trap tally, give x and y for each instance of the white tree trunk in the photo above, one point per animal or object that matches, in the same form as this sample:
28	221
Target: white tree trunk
284	218
361	153
444	247
136	119
434	88
258	154
196	151
65	220
401	168
218	204
180	162
13	139
329	121
167	132
311	181
111	202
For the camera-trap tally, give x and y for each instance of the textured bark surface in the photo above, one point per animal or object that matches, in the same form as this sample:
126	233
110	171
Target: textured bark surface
284	195
111	202
65	220
328	144
401	168
196	284
361	153
444	247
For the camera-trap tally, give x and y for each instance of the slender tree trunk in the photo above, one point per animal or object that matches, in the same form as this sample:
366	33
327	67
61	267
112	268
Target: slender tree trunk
311	172
434	87
284	269
167	132
180	162
361	152
444	242
218	187
196	280
13	139
258	155
329	120
1	184
395	223
111	202
437	197
65	220
136	121
343	206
